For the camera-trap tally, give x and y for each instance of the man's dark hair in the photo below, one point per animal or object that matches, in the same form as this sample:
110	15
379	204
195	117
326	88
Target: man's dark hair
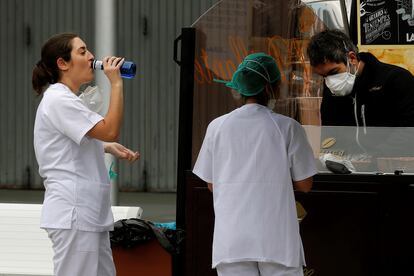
330	45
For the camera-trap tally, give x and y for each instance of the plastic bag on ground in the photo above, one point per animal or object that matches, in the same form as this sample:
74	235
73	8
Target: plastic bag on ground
133	232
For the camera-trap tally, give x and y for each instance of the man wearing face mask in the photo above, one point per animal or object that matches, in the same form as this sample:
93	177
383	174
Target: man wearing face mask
360	90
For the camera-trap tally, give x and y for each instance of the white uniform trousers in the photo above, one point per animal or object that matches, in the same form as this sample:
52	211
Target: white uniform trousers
81	253
257	269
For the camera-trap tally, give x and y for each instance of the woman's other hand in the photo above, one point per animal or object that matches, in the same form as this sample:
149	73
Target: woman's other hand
121	152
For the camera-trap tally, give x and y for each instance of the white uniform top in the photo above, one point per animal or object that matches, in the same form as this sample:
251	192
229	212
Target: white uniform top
72	164
251	156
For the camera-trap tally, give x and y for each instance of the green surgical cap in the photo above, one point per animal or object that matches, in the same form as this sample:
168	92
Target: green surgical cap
253	74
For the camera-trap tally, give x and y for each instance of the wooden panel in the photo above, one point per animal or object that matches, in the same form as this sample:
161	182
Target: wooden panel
199	228
142	260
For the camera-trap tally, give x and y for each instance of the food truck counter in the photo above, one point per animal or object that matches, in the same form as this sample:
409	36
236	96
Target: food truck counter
355	224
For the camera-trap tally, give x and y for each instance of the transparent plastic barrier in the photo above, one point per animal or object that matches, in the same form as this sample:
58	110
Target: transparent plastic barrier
373	150
232	29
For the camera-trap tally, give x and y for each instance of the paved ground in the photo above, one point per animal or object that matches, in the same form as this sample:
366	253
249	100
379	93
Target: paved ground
158	207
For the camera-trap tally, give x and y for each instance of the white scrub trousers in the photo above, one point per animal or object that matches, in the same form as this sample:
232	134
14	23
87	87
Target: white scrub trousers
81	253
257	269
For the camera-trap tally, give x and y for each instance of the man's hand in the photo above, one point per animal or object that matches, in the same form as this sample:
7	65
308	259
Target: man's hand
121	152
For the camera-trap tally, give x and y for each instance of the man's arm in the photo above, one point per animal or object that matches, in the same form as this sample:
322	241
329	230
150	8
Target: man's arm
210	186
399	91
304	185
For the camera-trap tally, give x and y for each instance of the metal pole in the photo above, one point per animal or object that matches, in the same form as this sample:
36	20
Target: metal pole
188	39
105	46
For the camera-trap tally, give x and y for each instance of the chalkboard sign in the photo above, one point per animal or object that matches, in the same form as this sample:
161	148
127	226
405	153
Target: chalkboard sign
386	22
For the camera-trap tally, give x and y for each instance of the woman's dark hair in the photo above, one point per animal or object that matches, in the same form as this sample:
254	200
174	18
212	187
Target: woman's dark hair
46	70
330	45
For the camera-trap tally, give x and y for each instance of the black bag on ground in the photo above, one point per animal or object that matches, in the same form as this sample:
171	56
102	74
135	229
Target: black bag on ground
132	232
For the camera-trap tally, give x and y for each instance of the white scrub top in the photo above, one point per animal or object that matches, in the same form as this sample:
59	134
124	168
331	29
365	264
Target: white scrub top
251	156
72	164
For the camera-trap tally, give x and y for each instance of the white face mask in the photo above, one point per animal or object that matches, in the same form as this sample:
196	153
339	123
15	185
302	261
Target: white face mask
341	84
93	99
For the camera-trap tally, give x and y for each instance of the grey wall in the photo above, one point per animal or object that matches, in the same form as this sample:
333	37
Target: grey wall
146	30
24	26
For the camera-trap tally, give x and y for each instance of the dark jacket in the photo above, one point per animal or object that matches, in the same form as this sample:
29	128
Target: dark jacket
384	96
